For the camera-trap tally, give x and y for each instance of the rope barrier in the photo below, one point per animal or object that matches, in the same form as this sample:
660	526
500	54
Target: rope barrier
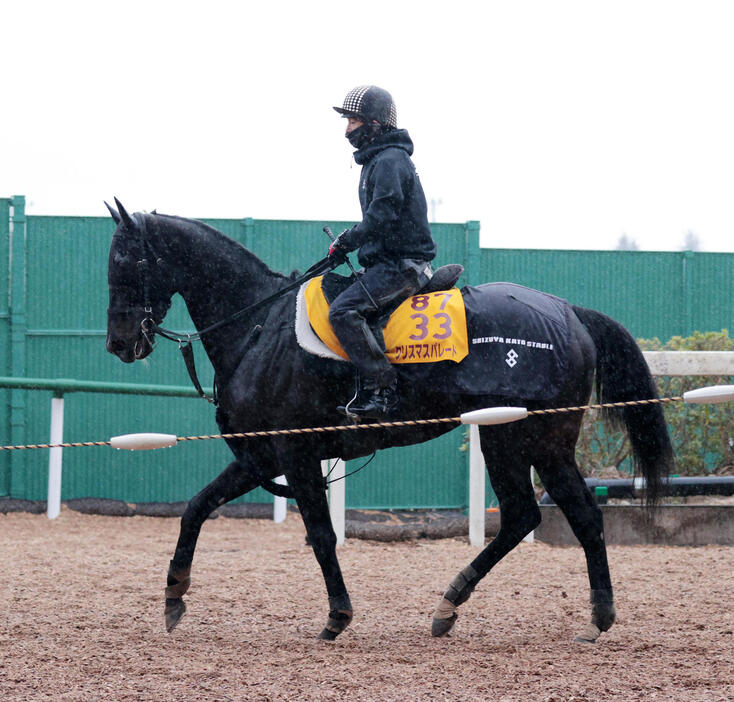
353	427
560	410
50	446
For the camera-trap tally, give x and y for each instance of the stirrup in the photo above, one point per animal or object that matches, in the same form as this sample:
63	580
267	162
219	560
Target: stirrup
372	403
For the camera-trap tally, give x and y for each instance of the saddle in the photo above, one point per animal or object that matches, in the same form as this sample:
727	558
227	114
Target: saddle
444	278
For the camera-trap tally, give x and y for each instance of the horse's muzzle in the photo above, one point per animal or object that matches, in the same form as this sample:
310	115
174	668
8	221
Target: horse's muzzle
129	352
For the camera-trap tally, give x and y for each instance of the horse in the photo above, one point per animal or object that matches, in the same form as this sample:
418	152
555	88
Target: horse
266	380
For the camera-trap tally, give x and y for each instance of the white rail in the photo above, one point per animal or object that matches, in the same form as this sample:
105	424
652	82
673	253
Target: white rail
690	362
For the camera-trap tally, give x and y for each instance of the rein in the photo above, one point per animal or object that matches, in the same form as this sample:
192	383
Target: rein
325	264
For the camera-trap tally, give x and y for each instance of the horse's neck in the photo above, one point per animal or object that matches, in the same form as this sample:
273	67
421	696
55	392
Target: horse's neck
211	271
216	277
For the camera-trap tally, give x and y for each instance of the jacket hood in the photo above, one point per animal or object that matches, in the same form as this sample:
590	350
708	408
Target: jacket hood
393	138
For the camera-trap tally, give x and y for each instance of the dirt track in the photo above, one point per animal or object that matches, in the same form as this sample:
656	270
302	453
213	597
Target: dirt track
82	619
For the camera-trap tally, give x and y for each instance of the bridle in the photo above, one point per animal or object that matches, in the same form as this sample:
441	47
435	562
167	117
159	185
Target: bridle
149	327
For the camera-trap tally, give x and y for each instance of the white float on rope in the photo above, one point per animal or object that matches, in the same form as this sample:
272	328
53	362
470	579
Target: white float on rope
143	442
713	394
494	415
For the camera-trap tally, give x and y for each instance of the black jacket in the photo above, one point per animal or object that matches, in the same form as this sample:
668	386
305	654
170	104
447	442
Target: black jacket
394	215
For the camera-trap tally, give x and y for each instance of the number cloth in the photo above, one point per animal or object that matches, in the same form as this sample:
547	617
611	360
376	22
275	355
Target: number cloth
424	329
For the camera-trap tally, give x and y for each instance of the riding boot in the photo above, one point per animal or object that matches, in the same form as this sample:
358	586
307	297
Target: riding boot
376	397
373	401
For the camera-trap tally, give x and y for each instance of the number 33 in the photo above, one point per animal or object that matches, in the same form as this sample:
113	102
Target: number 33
420	302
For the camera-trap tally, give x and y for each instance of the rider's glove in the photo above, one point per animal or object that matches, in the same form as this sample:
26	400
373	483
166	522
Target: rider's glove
338	250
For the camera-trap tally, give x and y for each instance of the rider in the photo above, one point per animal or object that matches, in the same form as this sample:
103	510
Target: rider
394	241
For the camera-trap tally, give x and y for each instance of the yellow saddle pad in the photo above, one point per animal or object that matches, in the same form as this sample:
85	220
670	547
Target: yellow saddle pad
424	329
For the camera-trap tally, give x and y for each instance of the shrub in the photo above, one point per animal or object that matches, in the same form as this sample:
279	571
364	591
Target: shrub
702	435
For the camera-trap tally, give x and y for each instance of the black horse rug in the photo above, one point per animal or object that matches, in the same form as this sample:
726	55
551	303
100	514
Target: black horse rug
492	339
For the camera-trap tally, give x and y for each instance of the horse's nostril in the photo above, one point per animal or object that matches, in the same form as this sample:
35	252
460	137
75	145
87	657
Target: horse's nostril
115	345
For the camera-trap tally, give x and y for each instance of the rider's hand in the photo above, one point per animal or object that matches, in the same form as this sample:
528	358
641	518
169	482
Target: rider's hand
338	251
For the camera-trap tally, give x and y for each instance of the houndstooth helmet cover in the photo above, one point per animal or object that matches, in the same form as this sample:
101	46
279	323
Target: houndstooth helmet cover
368	102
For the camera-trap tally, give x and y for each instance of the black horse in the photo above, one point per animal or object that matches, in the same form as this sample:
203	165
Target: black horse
267	381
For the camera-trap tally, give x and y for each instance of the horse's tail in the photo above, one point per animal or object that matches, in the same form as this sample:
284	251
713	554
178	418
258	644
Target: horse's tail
622	375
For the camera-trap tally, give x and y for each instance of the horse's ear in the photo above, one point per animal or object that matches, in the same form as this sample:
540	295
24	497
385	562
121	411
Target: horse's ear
113	212
127	220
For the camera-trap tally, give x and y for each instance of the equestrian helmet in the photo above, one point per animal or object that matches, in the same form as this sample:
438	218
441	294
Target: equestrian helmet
370	103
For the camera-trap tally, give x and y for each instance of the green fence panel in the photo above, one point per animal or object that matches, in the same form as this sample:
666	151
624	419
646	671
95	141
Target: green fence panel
17	296
651	293
709	292
5	204
432	475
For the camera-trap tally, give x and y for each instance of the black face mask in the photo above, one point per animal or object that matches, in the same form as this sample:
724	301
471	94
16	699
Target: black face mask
361	136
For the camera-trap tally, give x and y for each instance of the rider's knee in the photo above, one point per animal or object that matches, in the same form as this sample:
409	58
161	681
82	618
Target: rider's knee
339	315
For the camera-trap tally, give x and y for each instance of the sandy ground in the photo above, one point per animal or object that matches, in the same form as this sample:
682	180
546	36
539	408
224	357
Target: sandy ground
82	603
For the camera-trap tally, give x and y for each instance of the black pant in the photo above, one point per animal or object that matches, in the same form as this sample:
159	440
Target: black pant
353	312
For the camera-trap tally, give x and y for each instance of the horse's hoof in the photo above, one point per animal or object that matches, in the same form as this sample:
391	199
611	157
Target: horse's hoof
339	619
444	616
328	635
441	627
603	613
175	609
589	635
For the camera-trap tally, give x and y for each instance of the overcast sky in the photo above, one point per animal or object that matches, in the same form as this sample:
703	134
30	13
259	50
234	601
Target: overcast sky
556	124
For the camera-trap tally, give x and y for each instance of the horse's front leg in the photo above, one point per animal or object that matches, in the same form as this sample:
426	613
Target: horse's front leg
233	481
309	490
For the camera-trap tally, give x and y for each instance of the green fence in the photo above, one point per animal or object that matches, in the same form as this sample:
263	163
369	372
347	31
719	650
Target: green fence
52	324
661	294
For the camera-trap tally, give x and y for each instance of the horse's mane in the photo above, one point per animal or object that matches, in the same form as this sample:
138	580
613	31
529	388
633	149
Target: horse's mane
221	243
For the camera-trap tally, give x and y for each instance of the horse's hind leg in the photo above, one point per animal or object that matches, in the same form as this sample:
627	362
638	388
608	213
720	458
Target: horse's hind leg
233	481
561	478
509	472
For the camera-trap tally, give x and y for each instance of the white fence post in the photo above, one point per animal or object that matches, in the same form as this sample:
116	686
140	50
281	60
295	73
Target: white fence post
530	538
337	496
477	471
53	500
280	504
